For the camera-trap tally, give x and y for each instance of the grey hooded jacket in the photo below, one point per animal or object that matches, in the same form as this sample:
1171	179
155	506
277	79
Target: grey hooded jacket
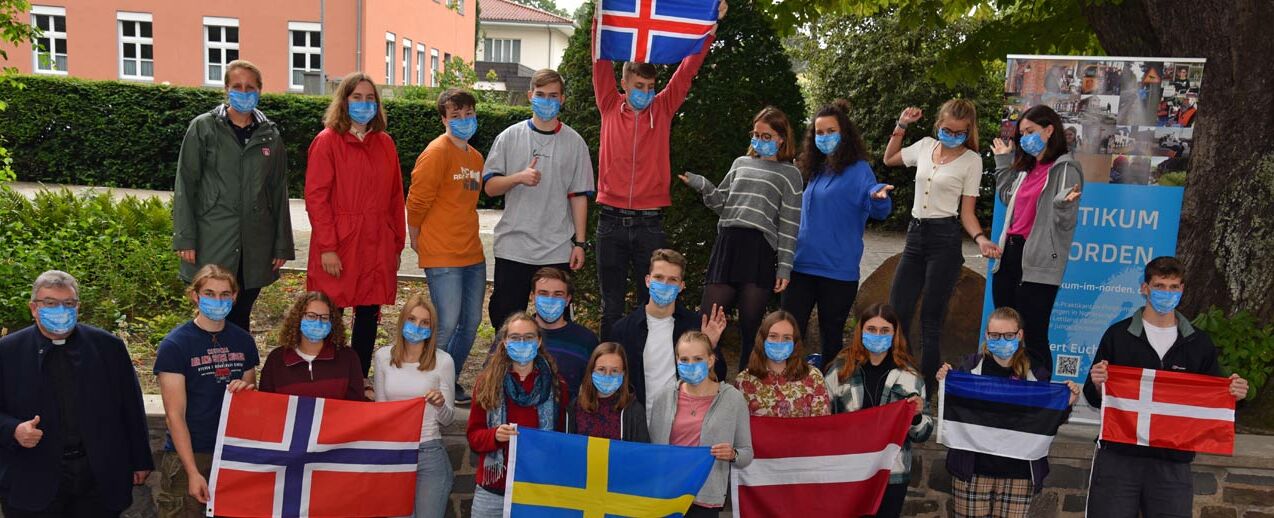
1048	247
727	421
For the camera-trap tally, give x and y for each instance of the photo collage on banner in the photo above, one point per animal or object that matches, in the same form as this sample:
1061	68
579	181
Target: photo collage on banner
1129	122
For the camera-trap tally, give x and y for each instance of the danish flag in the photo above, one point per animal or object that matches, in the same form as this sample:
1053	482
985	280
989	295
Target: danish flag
1166	409
280	455
653	31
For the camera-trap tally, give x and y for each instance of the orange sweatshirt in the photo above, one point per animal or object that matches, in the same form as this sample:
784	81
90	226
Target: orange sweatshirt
443	203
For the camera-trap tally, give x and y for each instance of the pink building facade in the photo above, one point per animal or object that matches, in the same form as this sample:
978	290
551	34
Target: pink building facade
188	42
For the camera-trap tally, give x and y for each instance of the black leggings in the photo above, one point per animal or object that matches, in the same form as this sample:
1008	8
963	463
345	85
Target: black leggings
930	266
834	300
750	299
363	336
1034	301
891	503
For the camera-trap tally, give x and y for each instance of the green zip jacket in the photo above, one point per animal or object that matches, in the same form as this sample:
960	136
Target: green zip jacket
230	201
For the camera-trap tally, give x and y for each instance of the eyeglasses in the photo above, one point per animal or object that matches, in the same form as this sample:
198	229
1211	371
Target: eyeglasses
956	134
523	338
765	137
1001	336
316	316
53	303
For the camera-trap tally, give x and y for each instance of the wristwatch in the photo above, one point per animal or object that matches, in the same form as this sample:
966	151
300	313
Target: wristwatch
582	244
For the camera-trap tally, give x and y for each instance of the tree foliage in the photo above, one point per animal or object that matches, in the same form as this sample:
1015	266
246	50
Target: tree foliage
13	31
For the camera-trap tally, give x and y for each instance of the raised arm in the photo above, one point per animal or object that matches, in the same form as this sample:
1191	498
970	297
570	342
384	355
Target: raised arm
894	156
605	91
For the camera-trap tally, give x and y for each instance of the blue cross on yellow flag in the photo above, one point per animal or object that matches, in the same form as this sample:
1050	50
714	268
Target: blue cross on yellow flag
553	474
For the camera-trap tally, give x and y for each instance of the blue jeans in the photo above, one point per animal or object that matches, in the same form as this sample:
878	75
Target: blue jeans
457	293
433	480
486	504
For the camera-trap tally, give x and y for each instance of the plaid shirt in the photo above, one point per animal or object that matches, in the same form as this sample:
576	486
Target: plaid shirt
900	384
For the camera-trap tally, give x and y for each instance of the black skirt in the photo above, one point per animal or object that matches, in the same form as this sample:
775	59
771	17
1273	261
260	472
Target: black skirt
741	256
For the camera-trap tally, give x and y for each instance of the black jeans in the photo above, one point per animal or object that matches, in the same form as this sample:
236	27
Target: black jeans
891	503
512	289
699	511
624	247
834	300
1034	301
241	312
363	334
1123	486
930	266
77	496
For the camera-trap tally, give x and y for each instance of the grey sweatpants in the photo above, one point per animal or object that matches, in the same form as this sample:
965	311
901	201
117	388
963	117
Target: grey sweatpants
1124	485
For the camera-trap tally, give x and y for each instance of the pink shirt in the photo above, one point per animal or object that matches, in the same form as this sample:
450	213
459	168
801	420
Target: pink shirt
688	422
1028	197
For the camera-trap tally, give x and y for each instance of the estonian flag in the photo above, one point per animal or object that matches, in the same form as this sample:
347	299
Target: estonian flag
1000	416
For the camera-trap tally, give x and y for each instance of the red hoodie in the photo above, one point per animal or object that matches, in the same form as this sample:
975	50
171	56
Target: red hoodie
633	167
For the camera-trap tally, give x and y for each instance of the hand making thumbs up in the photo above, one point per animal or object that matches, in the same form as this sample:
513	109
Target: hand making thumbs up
530	176
28	433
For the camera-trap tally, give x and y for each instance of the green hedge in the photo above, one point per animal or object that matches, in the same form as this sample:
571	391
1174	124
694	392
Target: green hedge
117	134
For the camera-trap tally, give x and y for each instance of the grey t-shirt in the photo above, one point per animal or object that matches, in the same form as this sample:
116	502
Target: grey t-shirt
537	226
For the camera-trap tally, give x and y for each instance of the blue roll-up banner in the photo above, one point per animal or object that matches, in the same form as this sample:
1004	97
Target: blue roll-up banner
1129	122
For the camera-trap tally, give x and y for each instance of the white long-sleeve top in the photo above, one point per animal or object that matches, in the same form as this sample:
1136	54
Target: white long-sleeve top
406	382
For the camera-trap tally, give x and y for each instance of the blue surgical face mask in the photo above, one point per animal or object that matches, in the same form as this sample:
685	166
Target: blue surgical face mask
693	373
765	148
415	333
315	330
522	351
362	111
545	108
779	351
877	343
58	320
949	140
464	127
663	293
549	309
1003	348
826	144
639	99
1032	144
1164	301
607	384
244	102
215	309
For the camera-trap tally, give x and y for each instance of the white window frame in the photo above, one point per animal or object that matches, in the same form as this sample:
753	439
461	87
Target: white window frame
420	64
434	67
406	79
502	50
391	41
122	17
309	51
53	35
211	23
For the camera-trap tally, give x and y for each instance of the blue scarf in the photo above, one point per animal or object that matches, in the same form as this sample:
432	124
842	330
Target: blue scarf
543	396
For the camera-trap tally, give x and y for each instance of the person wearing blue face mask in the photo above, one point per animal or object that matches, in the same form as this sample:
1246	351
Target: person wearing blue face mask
543	170
230	198
1040	182
312	358
354	199
1129	479
778	382
569	343
606	406
759	204
703	411
876	369
413	366
991	485
841	194
197	363
75	438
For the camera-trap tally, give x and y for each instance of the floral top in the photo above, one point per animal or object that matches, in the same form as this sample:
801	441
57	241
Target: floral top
775	396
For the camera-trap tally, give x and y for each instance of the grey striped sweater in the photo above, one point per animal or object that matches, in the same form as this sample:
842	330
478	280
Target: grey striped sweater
760	194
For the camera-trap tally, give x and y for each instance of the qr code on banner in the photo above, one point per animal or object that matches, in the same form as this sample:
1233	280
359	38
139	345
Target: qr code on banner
1066	365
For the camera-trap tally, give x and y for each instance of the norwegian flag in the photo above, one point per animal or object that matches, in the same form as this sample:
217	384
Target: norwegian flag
292	456
836	465
1166	409
653	31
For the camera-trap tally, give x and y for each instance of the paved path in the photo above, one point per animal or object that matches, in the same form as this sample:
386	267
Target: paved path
879	245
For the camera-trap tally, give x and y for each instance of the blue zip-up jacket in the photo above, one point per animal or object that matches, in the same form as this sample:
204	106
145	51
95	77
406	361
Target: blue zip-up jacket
834	212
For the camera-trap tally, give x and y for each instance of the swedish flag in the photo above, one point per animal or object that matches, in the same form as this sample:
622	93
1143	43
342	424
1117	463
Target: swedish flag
554	474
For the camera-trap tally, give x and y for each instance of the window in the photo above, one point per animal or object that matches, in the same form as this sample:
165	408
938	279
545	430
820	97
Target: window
406	61
136	46
305	49
389	57
49	51
420	64
433	67
221	46
502	51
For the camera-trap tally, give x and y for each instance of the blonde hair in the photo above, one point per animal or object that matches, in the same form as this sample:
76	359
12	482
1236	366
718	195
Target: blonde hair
960	109
212	272
398	352
1020	362
244	65
547	76
337	116
702	339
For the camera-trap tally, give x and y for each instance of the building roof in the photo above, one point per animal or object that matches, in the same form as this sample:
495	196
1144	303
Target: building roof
513	12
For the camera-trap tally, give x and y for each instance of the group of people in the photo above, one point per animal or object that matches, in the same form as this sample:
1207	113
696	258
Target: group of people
792	218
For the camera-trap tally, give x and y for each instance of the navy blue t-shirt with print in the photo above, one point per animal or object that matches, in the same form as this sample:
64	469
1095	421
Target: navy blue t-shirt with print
209	361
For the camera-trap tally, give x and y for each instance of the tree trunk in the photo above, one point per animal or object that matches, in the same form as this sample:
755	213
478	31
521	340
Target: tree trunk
1227	218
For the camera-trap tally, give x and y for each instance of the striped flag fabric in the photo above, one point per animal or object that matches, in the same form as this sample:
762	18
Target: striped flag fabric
1165	409
835	465
281	455
653	31
1000	416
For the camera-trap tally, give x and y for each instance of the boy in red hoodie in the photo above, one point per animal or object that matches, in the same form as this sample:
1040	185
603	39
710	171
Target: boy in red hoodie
633	170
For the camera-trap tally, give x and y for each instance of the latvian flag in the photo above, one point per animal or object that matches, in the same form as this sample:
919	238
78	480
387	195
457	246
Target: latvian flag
1000	416
1166	409
834	465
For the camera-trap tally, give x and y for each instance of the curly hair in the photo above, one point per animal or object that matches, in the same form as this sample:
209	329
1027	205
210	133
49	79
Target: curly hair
290	328
813	162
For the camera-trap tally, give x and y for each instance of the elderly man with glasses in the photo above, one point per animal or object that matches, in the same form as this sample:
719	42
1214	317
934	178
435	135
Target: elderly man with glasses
72	425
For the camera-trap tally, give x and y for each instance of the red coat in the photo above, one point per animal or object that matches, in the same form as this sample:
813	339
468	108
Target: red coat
354	196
